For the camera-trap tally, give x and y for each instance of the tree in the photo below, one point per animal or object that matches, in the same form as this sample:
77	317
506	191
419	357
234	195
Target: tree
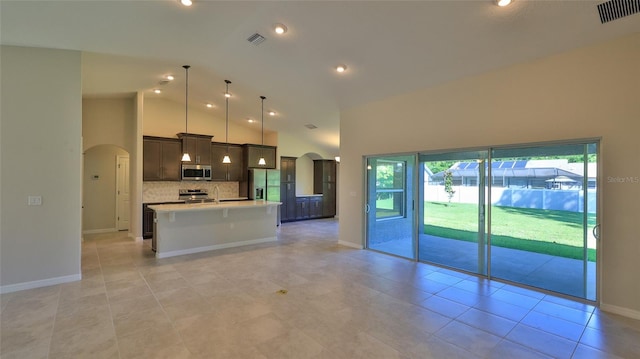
448	184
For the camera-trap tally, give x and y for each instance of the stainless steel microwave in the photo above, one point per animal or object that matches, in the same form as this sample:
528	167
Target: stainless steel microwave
196	173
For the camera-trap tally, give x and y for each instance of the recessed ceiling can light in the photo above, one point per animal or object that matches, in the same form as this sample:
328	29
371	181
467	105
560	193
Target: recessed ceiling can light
209	105
157	91
503	3
227	94
170	77
272	113
341	68
186	2
250	120
279	29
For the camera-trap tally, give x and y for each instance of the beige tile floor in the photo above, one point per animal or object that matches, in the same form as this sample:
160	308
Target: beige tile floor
340	303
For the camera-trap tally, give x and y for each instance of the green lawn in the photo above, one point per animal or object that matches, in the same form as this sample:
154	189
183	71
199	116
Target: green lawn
557	233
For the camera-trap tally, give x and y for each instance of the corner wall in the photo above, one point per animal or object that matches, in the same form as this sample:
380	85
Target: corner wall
585	93
41	155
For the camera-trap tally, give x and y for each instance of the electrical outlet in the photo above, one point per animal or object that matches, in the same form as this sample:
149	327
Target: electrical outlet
34	200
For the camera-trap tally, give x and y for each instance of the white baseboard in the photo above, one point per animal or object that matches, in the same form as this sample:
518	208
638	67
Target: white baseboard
625	312
9	288
214	247
349	244
96	231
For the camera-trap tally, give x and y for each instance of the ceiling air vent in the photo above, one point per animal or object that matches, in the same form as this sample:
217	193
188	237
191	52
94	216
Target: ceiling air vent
615	9
311	126
256	39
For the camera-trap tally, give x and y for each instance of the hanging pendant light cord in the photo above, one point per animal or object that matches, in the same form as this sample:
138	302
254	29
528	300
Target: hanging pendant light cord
186	100
262	114
226	100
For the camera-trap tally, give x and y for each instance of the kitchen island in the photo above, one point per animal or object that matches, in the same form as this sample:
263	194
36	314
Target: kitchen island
192	228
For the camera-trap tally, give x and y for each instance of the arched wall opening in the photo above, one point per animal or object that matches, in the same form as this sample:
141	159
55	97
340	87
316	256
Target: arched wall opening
102	211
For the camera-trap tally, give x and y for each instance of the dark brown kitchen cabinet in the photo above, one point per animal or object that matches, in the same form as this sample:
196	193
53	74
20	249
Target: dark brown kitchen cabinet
324	182
252	154
315	207
233	171
288	188
302	208
147	221
198	147
161	159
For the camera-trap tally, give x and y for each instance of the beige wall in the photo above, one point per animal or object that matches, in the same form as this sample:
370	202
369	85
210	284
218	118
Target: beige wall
107	121
586	93
304	175
41	155
165	118
99	194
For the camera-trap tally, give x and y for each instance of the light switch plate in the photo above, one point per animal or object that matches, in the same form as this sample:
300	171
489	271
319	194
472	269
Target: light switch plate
34	201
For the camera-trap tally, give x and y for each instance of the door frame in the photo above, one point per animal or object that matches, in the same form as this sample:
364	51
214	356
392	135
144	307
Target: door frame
119	159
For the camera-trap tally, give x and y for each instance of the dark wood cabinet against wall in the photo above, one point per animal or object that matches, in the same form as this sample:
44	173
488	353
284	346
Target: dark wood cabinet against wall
324	182
288	188
198	147
161	159
233	171
252	154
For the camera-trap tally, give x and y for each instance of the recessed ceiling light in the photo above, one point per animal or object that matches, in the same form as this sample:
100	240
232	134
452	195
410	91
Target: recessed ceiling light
169	77
503	3
341	68
209	105
186	2
157	91
227	94
279	29
250	120
272	113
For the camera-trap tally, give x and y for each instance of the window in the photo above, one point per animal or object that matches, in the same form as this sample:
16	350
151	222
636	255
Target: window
390	189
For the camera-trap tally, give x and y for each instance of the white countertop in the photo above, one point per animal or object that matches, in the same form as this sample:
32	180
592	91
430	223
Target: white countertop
181	207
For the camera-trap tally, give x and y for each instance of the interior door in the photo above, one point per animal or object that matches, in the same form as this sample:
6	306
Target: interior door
452	227
122	193
390	213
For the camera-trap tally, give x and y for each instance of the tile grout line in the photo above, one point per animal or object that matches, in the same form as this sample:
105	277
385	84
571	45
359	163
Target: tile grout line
104	282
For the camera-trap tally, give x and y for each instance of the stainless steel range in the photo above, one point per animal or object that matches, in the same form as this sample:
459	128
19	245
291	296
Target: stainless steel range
198	195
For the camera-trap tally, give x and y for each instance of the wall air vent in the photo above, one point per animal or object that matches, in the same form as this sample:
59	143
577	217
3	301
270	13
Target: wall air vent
311	126
615	9
256	39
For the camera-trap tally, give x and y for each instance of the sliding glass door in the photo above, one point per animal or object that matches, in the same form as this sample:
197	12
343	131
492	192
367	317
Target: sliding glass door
452	228
522	214
542	217
389	207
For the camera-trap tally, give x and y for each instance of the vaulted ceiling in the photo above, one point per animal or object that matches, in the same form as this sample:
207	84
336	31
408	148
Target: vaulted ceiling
389	48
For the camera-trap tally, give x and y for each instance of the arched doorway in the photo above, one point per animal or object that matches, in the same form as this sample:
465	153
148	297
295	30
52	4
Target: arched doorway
105	190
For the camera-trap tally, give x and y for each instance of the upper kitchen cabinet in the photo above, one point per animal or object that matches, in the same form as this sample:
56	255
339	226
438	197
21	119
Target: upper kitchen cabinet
161	159
233	171
198	147
252	154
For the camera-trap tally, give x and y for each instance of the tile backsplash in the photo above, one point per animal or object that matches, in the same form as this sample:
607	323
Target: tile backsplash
159	191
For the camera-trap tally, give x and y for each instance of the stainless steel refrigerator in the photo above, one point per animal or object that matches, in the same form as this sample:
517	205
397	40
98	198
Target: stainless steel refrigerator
264	184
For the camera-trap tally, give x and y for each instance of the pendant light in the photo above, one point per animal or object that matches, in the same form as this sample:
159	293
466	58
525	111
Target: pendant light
226	158
261	161
185	155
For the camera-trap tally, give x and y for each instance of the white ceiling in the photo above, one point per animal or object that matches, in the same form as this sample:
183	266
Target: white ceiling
390	47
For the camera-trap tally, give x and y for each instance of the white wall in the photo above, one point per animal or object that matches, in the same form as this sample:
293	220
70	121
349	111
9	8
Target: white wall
99	194
41	155
585	93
